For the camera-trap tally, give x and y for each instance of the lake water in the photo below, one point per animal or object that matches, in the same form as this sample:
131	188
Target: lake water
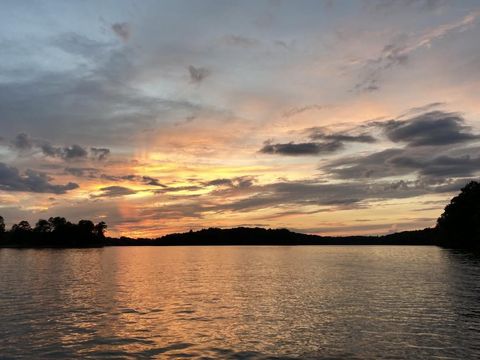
301	302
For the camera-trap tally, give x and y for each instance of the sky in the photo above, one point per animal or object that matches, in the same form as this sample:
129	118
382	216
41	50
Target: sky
324	117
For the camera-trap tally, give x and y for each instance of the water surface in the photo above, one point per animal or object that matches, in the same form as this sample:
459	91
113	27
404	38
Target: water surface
301	302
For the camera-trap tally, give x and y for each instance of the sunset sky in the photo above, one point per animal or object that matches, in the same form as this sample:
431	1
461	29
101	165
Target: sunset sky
333	117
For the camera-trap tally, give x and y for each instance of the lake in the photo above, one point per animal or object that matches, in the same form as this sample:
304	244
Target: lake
317	302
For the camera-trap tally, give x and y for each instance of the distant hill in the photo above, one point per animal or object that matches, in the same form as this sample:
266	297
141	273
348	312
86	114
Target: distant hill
261	236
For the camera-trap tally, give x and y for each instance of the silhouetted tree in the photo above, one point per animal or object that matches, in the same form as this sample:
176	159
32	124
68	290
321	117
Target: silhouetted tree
43	226
2	225
57	223
86	227
459	225
55	232
100	229
22	227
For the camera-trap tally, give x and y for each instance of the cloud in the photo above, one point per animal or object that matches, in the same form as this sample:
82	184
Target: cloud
369	166
219	182
392	54
437	149
290	196
82	171
398	51
344	195
241	41
100	153
432	128
74	152
238	182
198	74
22	142
142	179
122	30
114	191
422	109
69	153
332	142
80	45
148	180
425	163
298	149
387	5
318	134
30	181
298	110
441	166
94	103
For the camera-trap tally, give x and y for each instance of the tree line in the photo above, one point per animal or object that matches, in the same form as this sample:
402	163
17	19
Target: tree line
54	232
457	227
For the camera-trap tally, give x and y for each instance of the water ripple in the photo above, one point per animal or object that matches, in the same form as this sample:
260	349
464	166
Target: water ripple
259	303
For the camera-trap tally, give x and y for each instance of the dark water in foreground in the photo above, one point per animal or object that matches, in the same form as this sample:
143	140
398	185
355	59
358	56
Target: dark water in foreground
240	303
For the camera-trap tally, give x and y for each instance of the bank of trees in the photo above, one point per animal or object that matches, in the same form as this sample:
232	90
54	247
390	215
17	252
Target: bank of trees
459	225
55	232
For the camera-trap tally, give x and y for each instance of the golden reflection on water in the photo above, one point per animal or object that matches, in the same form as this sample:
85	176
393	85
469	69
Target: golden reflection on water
238	302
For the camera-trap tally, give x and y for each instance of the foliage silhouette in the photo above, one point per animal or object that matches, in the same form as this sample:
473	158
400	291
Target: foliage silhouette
55	232
459	225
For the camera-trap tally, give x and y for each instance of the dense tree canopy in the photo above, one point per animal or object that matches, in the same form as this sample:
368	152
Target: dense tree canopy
459	225
54	232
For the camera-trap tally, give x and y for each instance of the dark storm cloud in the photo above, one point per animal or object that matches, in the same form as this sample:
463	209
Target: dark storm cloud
298	149
114	191
198	74
31	181
100	153
122	30
432	128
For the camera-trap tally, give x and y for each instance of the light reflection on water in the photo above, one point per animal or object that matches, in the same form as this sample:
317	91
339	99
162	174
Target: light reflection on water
240	303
